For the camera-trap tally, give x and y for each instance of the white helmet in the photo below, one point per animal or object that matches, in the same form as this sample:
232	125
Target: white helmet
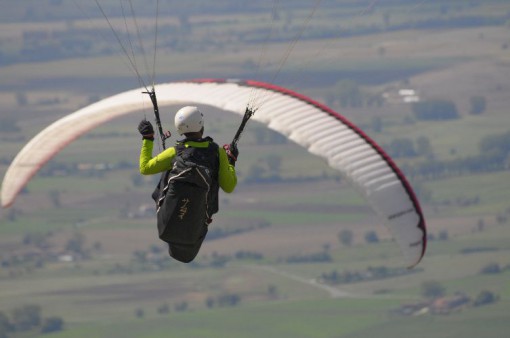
189	120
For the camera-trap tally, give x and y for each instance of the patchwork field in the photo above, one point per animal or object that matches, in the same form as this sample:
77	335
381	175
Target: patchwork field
82	243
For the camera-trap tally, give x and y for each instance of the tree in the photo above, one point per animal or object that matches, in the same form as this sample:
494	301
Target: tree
377	124
423	147
484	298
52	324
374	100
478	105
349	94
346	237
181	307
272	291
402	147
140	256
5	325
480	225
435	110
501	219
371	237
496	144
37	239
12	214
156	249
209	302
98	246
432	289
55	198
443	235
76	243
26	317
164	309
492	268
139	313
228	299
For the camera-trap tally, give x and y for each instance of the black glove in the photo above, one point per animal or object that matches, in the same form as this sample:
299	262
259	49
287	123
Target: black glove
232	153
145	128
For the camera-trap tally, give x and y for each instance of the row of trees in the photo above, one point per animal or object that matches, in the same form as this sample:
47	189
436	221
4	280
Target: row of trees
39	249
437	302
28	318
74	41
494	269
405	147
224	299
346	237
435	110
156	258
317	257
440	109
434	289
348	94
494	154
370	274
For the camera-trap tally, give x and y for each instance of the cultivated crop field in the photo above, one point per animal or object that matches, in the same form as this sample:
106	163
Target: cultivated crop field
81	241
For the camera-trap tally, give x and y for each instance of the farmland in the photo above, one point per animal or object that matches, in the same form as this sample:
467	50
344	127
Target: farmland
81	243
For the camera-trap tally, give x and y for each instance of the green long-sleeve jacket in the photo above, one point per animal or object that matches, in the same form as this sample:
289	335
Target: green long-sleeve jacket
163	161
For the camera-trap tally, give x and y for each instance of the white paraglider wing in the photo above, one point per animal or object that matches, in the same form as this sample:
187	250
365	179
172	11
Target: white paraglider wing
315	127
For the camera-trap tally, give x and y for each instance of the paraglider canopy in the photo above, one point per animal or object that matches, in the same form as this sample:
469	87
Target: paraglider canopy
320	130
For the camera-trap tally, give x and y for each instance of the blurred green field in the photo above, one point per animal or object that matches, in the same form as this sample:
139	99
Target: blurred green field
76	289
302	215
249	321
338	318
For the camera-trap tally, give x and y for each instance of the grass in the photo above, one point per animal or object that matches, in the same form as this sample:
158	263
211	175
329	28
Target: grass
469	324
291	218
310	318
462	136
334	193
110	183
490	188
331	318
